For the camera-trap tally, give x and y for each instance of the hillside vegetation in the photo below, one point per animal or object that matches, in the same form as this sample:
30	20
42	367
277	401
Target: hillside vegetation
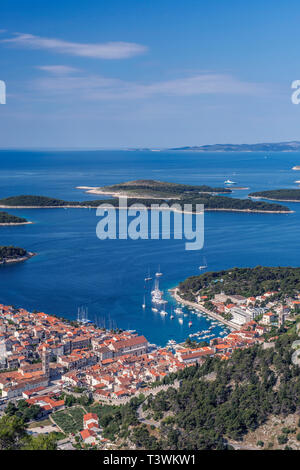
160	189
244	281
253	385
6	218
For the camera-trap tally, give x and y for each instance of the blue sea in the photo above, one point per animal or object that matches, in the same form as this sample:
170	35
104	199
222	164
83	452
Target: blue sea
74	268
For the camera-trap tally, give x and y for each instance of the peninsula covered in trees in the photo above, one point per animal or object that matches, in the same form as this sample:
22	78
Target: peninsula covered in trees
9	219
13	254
289	195
242	281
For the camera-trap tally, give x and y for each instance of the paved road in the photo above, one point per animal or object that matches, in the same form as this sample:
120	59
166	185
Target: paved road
150	422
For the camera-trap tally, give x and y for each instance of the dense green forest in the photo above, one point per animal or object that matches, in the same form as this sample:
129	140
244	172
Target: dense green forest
11	252
205	414
243	281
161	188
6	218
210	202
279	194
222	202
27	200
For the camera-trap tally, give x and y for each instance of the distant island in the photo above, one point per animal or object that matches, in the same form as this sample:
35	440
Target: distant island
9	219
288	195
12	254
153	189
150	192
292	146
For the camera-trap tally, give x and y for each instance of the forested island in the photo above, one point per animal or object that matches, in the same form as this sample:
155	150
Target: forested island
150	192
242	281
13	254
156	192
288	195
154	189
9	219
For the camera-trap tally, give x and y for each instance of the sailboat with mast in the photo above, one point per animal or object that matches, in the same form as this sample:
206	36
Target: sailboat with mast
204	264
159	273
82	315
172	316
144	304
148	277
157	295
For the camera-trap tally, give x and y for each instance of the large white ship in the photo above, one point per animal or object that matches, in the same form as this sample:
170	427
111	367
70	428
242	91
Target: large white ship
157	295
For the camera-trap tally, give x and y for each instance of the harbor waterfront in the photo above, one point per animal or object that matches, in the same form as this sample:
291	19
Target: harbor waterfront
230	324
107	276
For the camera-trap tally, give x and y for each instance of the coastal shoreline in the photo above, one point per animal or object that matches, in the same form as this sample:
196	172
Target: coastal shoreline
17	260
176	296
148	208
94	190
279	200
14	223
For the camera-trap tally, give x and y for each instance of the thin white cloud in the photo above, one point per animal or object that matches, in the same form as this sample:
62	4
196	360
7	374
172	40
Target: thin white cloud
57	69
102	88
108	50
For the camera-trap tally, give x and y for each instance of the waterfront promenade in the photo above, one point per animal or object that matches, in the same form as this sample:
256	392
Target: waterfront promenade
216	316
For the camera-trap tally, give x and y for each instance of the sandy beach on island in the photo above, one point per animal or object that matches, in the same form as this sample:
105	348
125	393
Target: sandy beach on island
95	190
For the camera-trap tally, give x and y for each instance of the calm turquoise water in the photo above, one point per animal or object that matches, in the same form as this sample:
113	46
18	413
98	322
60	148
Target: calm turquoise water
74	268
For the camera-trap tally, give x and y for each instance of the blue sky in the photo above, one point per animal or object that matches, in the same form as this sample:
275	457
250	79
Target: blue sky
138	73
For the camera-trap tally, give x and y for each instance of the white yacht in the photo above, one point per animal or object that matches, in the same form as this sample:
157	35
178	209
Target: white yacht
159	273
178	311
157	295
229	182
204	264
180	320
